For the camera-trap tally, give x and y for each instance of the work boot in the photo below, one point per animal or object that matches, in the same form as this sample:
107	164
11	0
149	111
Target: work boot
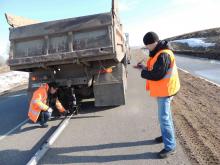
76	111
159	139
164	153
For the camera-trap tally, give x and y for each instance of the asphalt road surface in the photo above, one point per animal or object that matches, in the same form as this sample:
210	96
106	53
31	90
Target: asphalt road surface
113	135
208	69
19	139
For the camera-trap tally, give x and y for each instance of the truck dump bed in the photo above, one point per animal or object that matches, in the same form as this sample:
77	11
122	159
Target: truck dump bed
87	38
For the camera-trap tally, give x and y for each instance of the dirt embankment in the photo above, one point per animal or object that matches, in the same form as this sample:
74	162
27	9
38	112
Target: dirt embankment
196	34
196	110
207	36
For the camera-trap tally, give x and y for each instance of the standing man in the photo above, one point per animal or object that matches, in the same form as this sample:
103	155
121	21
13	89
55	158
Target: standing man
39	110
163	83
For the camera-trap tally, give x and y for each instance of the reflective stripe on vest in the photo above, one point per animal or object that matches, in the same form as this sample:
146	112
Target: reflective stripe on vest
169	84
39	102
35	113
170	72
38	99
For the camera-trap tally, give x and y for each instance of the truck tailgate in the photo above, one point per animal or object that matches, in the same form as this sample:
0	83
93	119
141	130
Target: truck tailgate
86	38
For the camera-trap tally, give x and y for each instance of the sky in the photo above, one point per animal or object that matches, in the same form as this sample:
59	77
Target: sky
165	17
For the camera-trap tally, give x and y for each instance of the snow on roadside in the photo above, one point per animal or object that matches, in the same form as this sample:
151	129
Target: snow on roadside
12	79
195	42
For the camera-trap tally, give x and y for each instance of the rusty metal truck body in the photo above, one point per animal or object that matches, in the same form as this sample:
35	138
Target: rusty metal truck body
87	53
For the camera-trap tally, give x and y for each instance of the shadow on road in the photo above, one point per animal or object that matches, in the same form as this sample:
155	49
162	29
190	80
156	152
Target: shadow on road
89	107
22	156
20	130
59	153
14	91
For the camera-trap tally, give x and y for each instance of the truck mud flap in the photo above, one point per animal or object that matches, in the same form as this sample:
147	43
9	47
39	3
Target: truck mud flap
109	88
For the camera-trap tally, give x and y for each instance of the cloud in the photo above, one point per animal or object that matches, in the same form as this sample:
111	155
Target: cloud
127	5
194	15
188	3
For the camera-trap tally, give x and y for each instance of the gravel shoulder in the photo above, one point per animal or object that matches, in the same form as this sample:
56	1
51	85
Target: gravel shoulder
196	116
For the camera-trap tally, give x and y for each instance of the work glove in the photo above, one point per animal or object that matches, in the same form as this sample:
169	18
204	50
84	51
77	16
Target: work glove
50	110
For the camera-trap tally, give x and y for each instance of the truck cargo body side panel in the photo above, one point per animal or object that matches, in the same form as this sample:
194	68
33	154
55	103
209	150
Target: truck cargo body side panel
29	48
86	45
83	38
61	26
91	39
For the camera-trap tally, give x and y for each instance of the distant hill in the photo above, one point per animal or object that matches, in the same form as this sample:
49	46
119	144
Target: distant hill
204	43
197	34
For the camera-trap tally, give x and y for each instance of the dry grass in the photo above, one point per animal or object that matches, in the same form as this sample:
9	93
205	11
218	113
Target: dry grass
4	69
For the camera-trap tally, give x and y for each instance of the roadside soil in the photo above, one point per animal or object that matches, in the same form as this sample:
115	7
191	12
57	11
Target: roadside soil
4	69
196	110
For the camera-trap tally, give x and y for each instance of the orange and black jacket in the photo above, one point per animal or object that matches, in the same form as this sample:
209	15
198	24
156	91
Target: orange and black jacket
162	64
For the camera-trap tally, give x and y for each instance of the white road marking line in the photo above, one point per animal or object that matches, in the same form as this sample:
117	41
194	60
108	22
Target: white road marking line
43	149
209	81
12	130
200	77
183	70
22	94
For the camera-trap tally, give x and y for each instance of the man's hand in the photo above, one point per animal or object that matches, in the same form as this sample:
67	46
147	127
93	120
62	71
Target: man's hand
50	110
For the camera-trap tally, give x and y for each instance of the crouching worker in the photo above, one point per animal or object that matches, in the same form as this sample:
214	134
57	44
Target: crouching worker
39	110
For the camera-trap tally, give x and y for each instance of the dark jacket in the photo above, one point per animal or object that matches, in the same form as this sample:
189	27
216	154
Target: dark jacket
161	65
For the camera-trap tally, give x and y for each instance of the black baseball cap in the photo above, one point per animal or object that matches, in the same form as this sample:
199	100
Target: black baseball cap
53	84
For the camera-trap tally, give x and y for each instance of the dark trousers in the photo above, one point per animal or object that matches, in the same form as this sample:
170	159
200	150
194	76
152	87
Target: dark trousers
44	117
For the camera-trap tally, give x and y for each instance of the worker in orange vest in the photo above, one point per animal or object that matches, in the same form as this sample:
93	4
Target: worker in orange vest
39	110
163	83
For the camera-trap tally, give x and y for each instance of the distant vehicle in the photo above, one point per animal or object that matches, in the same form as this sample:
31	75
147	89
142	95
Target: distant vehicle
84	55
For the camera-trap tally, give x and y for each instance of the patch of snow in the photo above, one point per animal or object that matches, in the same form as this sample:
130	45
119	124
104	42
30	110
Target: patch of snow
195	42
12	79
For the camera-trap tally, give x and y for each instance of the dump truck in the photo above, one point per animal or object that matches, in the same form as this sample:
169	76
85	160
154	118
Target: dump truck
86	56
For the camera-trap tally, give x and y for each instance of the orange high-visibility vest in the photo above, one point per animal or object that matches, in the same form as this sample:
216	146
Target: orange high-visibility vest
38	103
169	84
